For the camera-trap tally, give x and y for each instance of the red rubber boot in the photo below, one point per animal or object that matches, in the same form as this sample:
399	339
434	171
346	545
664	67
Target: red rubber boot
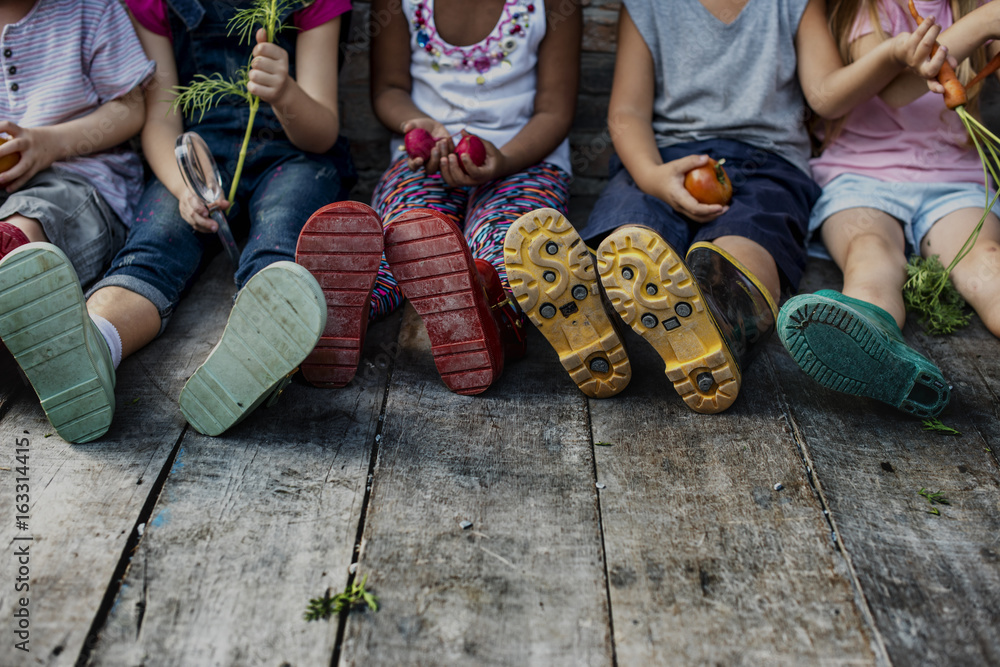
341	246
507	314
434	268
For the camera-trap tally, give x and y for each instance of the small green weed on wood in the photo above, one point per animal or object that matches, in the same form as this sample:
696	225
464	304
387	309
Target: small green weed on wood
326	606
934	498
936	425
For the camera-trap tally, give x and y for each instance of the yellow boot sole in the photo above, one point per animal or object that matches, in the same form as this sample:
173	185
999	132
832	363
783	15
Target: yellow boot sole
654	292
551	274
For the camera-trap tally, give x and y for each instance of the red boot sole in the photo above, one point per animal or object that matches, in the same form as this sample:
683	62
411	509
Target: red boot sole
434	268
341	245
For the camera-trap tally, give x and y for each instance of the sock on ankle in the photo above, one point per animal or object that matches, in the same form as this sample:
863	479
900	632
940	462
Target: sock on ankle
111	337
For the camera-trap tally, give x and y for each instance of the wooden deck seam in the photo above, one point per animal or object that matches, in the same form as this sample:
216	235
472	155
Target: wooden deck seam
365	501
812	477
600	530
125	559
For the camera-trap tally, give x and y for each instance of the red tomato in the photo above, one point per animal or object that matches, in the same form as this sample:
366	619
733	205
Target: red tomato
709	184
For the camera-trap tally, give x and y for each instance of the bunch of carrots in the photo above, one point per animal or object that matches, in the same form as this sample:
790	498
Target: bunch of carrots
928	290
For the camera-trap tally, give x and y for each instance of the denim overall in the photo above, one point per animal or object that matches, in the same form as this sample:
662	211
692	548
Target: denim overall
280	187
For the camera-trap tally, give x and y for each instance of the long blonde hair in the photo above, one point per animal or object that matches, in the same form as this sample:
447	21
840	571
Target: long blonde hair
842	15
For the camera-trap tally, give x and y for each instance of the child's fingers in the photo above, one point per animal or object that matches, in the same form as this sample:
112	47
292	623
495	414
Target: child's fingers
265	79
689	162
12	129
261	36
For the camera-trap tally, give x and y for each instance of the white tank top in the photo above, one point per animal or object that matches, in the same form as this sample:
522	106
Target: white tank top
487	88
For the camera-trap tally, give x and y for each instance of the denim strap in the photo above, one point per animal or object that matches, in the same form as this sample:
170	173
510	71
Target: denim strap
190	11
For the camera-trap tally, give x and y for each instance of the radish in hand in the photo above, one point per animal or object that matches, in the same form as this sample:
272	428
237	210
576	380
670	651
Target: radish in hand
419	143
472	146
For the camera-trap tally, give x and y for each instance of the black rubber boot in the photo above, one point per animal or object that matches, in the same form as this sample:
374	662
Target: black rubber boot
743	310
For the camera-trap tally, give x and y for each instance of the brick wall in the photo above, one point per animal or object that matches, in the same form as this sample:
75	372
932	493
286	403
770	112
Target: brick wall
590	142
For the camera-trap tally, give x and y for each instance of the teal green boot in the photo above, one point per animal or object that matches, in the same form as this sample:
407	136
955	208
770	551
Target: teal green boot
854	347
45	325
275	323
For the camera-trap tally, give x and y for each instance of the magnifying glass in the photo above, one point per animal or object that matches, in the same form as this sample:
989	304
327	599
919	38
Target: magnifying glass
202	176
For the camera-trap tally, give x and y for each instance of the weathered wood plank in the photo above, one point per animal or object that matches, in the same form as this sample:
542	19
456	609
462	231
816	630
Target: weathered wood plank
85	499
709	563
932	582
249	527
524	585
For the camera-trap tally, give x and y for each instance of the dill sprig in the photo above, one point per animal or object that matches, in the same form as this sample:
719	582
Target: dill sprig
928	290
207	91
266	13
326	606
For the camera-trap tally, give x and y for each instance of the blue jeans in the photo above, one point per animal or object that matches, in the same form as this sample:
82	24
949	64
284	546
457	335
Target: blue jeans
163	254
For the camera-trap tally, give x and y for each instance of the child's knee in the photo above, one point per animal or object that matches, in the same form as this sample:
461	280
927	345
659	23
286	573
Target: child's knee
32	228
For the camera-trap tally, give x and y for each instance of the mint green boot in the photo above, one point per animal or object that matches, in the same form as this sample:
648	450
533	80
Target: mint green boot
854	347
45	325
275	323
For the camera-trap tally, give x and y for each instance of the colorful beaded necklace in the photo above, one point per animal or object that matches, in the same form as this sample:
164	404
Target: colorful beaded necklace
480	57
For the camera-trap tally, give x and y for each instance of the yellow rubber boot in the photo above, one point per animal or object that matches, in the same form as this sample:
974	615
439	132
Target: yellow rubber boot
657	295
551	274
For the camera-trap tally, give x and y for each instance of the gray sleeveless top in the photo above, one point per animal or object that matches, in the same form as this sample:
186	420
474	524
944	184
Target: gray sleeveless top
719	81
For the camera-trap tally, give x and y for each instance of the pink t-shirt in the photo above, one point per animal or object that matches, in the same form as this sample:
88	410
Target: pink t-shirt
152	14
922	142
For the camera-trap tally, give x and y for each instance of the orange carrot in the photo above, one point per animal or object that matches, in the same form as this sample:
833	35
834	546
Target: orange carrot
990	67
954	91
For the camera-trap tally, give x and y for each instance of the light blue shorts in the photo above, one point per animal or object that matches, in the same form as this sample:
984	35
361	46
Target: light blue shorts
916	205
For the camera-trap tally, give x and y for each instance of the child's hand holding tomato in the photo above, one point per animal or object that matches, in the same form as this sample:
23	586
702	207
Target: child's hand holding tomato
443	146
670	188
38	149
460	170
268	78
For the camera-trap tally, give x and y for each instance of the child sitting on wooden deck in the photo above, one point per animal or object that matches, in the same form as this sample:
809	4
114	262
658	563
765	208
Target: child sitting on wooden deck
899	177
73	72
720	79
505	71
295	165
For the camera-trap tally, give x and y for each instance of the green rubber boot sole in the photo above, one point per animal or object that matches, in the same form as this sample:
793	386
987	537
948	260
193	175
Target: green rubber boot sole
856	348
45	325
275	323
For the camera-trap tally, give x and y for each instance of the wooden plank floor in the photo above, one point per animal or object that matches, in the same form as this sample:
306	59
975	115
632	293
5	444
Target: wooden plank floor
627	531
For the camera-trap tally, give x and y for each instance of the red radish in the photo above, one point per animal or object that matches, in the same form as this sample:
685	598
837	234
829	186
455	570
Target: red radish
472	146
419	143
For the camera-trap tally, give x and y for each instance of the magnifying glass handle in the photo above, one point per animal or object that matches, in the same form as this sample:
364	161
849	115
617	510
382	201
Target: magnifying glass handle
226	236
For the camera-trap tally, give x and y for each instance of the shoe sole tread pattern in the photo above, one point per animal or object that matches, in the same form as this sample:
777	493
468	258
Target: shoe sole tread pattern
341	246
865	363
275	323
644	279
57	351
435	271
579	329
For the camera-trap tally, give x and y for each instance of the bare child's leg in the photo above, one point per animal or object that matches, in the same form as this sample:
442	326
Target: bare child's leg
754	257
977	276
134	316
869	247
31	227
851	341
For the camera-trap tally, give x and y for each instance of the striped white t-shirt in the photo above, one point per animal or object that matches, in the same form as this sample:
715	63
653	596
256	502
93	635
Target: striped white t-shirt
62	61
